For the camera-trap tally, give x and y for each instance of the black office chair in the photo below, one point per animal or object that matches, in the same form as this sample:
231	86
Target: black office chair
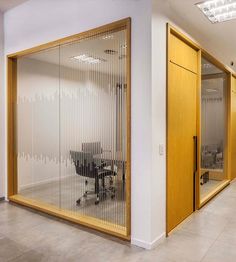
85	166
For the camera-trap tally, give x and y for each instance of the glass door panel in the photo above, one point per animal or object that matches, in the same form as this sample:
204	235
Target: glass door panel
38	126
213	129
72	128
93	127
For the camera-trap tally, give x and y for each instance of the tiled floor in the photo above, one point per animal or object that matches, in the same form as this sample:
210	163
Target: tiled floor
209	235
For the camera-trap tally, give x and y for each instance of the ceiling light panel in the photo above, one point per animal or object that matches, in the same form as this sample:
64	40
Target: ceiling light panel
88	59
218	10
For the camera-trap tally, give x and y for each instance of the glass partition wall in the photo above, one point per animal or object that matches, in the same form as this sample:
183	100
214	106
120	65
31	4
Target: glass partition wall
213	173
72	130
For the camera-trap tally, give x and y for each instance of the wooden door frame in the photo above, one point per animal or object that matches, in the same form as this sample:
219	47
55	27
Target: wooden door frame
119	231
228	71
188	41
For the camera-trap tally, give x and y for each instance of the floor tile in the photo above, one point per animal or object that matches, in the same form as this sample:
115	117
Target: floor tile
30	256
10	249
184	246
221	252
205	224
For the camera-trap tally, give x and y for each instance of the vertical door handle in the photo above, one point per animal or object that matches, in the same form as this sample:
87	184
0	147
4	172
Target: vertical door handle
195	153
195	170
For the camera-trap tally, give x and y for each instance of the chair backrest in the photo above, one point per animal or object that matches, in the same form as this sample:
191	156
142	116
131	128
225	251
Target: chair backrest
93	147
84	163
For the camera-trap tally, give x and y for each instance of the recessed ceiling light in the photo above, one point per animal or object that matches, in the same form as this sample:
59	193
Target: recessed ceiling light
88	59
107	37
218	10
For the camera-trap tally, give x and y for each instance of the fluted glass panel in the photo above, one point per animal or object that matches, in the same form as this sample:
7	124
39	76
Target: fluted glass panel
93	127
72	128
38	126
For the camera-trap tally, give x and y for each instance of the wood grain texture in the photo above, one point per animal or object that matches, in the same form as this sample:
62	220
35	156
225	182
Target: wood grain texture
182	127
183	54
11	126
187	47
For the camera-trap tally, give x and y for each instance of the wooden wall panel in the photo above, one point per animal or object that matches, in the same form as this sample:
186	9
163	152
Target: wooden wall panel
183	54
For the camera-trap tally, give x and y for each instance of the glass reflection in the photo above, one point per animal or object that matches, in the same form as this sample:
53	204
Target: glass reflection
213	123
71	127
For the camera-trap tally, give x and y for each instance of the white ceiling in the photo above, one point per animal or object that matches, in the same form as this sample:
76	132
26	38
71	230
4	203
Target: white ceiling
219	39
8	4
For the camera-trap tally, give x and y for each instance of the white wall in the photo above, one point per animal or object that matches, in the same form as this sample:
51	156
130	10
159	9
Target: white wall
2	112
36	22
158	189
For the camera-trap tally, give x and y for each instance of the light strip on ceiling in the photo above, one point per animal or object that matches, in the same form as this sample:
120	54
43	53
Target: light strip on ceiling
218	10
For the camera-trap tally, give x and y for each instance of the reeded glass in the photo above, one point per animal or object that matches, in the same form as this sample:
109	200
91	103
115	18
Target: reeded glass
71	127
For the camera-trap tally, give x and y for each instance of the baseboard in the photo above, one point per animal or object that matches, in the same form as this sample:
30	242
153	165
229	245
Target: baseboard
149	245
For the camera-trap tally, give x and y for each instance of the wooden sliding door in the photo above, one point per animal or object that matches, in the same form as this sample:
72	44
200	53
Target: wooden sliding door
182	130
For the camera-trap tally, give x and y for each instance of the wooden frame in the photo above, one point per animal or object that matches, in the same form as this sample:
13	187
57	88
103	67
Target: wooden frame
119	231
227	149
201	51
